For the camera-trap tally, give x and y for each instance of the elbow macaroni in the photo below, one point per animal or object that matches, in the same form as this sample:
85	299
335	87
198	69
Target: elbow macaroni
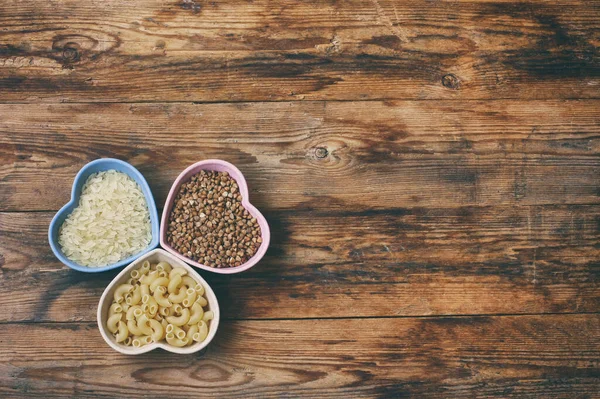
114	308
149	278
133	328
122	332
157	330
196	315
163	267
202	301
202	332
180	296
174	283
113	321
159	302
135	297
178	270
172	340
190	297
161	281
160	298
180	320
121	291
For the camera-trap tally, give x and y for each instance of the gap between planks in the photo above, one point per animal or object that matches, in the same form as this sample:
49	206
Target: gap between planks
291	100
381	211
423	317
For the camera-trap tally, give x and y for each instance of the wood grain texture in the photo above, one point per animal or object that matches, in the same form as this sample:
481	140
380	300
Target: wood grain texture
376	155
420	248
346	264
195	50
524	357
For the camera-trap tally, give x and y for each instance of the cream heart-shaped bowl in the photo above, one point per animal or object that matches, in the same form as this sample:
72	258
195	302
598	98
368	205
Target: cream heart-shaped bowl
100	165
217	166
155	256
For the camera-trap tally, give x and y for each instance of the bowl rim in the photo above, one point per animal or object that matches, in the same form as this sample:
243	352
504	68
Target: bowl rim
73	202
243	186
210	296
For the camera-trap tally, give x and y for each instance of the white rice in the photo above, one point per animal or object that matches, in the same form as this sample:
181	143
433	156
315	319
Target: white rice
111	223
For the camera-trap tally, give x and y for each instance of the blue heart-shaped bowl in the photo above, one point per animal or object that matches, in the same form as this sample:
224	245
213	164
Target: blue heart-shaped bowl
100	165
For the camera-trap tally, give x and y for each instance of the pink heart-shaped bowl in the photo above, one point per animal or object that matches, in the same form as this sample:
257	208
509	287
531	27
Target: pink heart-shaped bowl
217	166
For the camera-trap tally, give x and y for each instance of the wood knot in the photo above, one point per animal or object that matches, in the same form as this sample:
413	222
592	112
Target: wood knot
451	81
191	5
70	53
321	152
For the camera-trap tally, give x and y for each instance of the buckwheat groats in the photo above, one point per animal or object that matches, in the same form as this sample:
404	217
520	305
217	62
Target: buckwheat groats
208	223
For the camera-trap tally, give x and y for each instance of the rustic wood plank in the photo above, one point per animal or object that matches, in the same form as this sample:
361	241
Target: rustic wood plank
231	50
349	264
524	357
374	155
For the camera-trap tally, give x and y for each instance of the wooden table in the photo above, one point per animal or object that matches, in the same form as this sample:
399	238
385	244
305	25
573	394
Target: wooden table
429	169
